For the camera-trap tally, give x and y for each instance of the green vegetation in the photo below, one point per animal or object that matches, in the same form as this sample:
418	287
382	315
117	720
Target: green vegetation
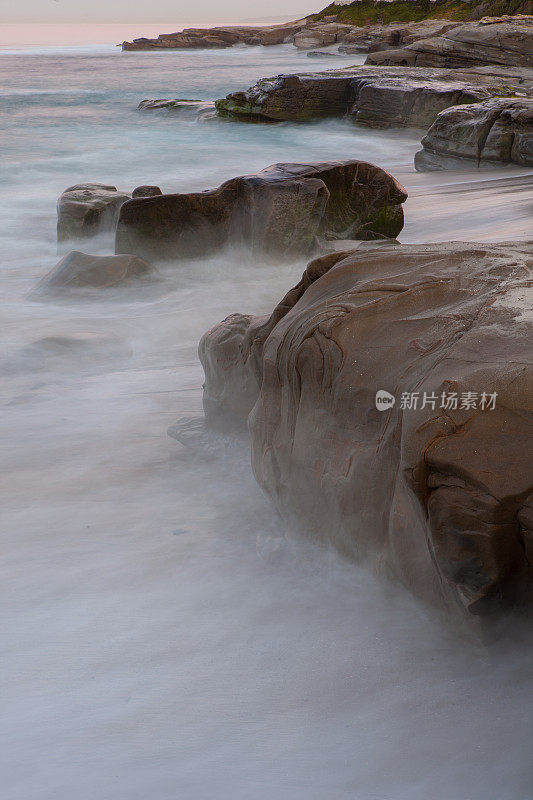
365	12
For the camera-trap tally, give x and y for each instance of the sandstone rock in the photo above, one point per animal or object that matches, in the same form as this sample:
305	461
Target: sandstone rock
280	210
81	271
146	191
372	95
495	130
87	209
438	497
506	43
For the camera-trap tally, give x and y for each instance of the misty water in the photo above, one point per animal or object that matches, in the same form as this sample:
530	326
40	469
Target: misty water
164	634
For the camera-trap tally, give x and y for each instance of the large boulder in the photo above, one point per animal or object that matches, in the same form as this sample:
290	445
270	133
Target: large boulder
81	271
389	399
496	131
88	209
280	210
374	96
507	42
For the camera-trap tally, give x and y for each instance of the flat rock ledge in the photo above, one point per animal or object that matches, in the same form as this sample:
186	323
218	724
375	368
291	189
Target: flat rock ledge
376	96
493	131
507	41
436	493
284	210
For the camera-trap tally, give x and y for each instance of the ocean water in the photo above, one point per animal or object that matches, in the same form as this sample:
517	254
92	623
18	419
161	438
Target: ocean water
164	634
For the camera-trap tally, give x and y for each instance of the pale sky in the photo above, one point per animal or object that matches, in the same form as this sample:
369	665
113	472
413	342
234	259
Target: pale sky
152	11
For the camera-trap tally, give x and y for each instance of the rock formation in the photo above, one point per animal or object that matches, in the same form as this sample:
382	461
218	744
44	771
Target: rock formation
495	130
81	271
508	42
219	37
87	209
373	95
146	191
435	490
280	210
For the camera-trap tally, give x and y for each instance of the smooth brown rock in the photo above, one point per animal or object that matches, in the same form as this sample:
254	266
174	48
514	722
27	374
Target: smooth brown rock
280	210
499	130
439	498
88	209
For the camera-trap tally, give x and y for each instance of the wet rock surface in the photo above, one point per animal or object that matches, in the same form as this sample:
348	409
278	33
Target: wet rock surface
377	96
495	131
87	209
282	210
437	494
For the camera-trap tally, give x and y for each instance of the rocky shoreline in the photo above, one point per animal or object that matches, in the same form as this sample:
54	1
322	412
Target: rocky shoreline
433	487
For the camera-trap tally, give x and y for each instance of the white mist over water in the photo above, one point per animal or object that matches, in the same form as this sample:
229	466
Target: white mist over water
163	634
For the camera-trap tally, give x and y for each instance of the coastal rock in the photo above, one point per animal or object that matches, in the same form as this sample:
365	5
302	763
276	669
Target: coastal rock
436	493
280	210
373	96
87	209
83	271
476	43
320	35
219	37
184	107
495	130
396	34
146	191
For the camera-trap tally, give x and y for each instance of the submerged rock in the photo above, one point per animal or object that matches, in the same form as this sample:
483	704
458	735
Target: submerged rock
88	209
496	131
185	107
372	95
280	210
434	483
508	42
81	271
